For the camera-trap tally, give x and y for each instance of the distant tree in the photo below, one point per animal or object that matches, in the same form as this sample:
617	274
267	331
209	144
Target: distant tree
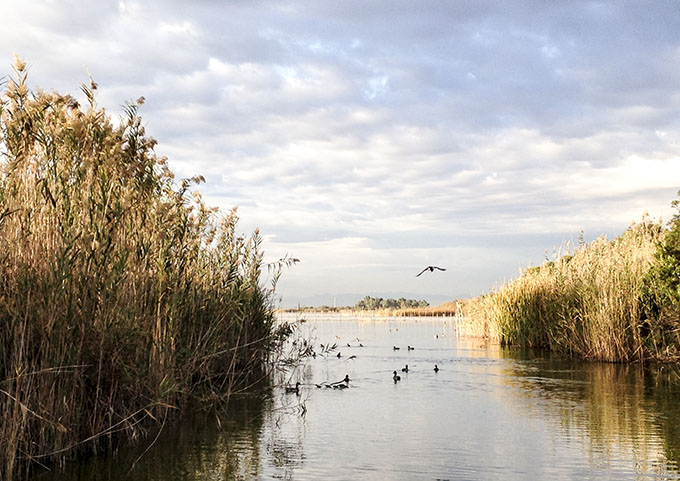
374	303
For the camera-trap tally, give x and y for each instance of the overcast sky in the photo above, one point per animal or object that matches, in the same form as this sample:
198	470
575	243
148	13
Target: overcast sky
372	138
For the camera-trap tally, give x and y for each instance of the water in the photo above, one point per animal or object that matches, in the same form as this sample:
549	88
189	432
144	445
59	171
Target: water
488	414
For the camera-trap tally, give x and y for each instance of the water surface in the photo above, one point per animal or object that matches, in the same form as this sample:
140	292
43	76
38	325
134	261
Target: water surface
488	414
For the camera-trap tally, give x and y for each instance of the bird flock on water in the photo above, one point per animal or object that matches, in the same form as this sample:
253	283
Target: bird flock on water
344	383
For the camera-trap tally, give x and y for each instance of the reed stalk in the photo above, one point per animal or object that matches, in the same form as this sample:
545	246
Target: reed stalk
587	304
122	295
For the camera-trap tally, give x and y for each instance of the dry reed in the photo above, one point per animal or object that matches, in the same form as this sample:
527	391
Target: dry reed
587	304
121	294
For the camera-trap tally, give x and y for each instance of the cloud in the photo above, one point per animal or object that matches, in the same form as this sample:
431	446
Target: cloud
386	132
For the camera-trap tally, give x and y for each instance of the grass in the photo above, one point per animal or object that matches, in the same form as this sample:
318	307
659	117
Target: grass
587	304
122	295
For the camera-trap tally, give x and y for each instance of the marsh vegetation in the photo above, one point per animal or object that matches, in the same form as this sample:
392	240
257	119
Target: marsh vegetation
122	295
610	300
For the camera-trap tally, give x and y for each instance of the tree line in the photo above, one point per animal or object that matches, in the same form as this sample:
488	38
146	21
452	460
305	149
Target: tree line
372	303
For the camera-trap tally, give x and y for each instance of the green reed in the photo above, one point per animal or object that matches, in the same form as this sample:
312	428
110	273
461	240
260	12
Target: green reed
122	295
587	303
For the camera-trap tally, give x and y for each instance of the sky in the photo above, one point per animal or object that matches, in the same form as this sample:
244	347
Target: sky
370	139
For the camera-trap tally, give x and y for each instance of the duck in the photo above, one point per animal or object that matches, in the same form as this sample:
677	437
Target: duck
295	389
410	348
339	355
436	369
336	384
396	348
404	369
340	386
396	377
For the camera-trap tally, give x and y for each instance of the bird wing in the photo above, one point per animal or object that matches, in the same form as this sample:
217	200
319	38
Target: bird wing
421	272
440	268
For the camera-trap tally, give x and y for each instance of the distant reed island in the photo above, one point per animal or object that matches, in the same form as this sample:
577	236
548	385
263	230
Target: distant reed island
123	297
401	307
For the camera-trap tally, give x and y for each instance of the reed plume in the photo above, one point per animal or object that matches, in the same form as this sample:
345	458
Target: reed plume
587	303
122	295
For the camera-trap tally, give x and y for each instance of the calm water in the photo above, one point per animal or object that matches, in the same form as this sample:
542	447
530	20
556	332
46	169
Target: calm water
488	414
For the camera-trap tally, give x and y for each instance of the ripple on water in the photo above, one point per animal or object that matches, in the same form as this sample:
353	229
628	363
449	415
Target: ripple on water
488	414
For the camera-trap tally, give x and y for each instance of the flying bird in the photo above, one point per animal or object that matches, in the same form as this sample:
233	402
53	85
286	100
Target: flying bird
431	269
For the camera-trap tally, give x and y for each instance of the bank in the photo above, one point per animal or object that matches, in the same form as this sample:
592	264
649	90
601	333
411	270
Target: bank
612	300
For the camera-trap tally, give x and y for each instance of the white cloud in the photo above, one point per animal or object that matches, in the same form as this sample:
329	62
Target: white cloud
364	137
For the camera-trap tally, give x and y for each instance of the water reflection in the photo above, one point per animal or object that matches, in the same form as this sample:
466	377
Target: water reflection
489	413
623	412
204	446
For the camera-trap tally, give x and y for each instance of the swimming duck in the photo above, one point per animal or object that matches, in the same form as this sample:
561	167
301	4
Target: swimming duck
339	355
396	348
404	369
436	369
410	348
396	377
295	389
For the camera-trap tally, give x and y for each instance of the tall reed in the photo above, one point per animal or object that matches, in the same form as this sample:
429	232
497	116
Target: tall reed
587	303
122	295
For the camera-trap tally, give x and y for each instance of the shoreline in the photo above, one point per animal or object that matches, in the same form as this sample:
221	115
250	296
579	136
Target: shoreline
448	309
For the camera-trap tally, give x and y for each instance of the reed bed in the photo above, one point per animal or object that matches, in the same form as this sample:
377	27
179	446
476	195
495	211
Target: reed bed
432	311
587	303
122	295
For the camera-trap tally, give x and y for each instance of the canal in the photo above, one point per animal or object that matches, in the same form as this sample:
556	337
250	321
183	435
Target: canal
489	413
